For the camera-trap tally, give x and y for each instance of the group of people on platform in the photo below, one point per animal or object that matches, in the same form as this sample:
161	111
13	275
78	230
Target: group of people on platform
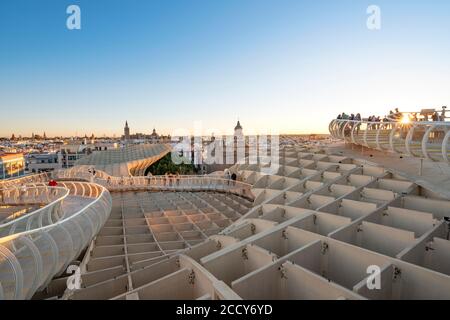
437	117
344	116
171	179
230	177
396	115
393	116
406	119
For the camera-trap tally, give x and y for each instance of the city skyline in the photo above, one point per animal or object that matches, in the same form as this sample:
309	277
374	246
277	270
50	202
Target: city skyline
44	136
284	65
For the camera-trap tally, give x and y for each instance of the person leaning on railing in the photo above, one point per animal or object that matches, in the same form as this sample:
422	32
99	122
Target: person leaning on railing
443	113
358	125
435	117
23	191
233	179
397	115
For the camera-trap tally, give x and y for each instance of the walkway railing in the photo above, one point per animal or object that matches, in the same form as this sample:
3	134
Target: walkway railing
181	183
35	178
161	183
50	201
426	140
40	245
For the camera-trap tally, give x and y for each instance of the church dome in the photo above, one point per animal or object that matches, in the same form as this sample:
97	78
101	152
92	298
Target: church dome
238	126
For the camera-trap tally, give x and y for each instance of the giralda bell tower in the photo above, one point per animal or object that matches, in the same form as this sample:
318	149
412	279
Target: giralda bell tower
126	131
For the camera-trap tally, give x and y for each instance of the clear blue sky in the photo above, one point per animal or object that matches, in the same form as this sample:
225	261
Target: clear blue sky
288	65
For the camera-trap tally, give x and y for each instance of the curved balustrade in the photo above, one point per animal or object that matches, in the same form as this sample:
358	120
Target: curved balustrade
35	178
181	183
427	140
40	245
160	183
31	194
49	198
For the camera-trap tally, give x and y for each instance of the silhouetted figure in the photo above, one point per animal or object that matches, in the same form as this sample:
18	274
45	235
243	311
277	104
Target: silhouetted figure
435	117
443	113
233	178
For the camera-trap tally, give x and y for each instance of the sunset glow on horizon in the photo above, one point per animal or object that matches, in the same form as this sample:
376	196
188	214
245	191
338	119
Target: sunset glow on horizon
284	66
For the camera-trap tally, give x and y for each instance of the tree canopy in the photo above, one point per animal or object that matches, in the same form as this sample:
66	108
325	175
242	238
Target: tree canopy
166	165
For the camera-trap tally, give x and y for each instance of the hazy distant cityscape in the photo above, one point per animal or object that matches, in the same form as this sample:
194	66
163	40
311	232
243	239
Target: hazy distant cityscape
39	153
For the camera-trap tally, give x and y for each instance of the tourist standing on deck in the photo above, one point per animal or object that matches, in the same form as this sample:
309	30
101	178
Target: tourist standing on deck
435	117
227	175
398	115
23	191
443	113
358	118
233	178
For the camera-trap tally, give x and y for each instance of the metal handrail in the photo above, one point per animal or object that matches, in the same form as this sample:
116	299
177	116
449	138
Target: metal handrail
6	184
45	228
164	182
31	258
180	183
47	208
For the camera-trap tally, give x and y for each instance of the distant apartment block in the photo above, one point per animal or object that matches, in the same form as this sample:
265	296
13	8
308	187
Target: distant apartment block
11	165
42	162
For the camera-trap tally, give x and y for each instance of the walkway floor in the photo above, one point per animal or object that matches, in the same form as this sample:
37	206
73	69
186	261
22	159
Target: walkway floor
435	175
73	204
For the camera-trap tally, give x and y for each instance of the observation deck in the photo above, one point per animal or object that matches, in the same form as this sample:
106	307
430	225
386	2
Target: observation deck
310	228
318	222
60	222
420	139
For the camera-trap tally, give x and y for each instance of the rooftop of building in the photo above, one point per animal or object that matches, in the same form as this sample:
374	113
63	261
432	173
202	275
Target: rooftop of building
318	206
322	216
131	159
9	156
